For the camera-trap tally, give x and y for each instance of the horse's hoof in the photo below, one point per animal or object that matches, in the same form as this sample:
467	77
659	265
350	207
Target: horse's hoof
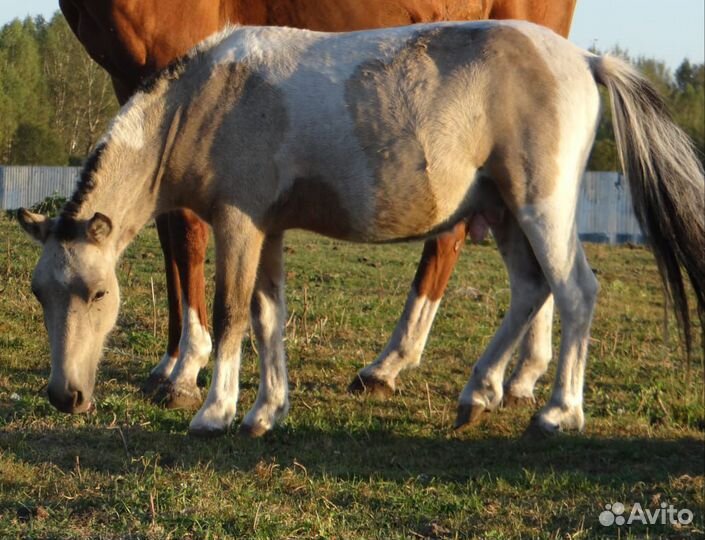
538	432
205	432
153	383
366	384
253	432
468	416
510	401
177	397
189	400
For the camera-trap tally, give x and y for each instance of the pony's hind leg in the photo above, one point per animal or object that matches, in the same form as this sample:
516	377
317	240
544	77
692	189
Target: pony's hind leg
575	290
268	315
535	355
405	346
238	247
529	294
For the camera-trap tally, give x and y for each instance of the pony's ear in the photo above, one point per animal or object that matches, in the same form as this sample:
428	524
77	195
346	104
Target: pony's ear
36	225
99	228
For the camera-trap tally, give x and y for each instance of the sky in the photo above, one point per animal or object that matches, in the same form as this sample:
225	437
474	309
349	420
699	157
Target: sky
669	30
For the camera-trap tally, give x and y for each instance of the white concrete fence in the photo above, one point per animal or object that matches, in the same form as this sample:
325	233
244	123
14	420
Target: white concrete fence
605	212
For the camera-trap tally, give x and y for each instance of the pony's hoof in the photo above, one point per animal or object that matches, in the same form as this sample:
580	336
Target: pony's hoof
468	415
510	401
366	384
178	397
205	432
538	432
186	399
253	431
153	383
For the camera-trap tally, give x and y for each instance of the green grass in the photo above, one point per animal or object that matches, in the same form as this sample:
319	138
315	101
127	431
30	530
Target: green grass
342	466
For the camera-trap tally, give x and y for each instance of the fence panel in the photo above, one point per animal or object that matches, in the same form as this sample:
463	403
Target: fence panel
25	186
605	212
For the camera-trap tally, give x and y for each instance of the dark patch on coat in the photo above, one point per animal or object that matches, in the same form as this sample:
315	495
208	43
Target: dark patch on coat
313	205
524	117
237	120
485	90
520	105
384	104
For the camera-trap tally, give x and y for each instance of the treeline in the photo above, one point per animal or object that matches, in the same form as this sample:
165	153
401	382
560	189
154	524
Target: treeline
55	101
684	93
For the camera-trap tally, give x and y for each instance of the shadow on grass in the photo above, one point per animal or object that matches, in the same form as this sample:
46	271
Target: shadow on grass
379	454
480	466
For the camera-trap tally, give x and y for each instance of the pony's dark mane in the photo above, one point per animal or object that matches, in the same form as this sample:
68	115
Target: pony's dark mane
86	183
172	71
176	67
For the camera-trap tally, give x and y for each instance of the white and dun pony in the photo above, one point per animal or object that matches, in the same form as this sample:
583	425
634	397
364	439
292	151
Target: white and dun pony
371	136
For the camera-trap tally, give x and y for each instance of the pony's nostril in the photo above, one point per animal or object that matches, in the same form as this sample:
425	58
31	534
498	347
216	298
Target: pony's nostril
77	399
64	401
52	397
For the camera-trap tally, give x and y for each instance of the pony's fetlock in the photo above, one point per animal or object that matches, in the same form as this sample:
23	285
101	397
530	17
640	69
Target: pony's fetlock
213	418
554	418
263	416
159	375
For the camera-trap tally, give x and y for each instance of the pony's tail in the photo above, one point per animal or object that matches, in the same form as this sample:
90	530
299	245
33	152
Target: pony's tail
666	182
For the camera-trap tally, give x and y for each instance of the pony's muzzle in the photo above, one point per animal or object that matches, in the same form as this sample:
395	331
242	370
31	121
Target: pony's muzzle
69	401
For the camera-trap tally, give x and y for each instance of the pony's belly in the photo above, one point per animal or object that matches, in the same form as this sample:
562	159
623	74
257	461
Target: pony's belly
416	206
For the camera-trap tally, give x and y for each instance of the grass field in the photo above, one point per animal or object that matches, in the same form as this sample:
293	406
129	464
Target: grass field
343	466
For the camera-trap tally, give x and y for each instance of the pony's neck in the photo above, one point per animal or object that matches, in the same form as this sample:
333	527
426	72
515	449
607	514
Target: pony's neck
127	180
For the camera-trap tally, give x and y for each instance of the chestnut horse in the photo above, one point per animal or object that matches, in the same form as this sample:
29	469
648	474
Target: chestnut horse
132	40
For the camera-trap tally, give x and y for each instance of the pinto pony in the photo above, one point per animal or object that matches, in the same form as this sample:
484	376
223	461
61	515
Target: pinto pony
132	40
369	136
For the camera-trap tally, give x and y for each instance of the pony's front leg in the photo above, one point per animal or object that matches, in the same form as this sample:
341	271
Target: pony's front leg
268	312
238	245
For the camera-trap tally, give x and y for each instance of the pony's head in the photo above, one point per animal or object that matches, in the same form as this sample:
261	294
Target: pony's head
75	283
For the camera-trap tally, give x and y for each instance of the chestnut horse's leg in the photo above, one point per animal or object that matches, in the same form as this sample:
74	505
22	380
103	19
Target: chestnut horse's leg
160	373
184	239
188	237
409	337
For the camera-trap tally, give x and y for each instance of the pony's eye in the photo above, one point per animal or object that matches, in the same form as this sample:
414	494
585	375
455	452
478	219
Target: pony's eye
97	296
